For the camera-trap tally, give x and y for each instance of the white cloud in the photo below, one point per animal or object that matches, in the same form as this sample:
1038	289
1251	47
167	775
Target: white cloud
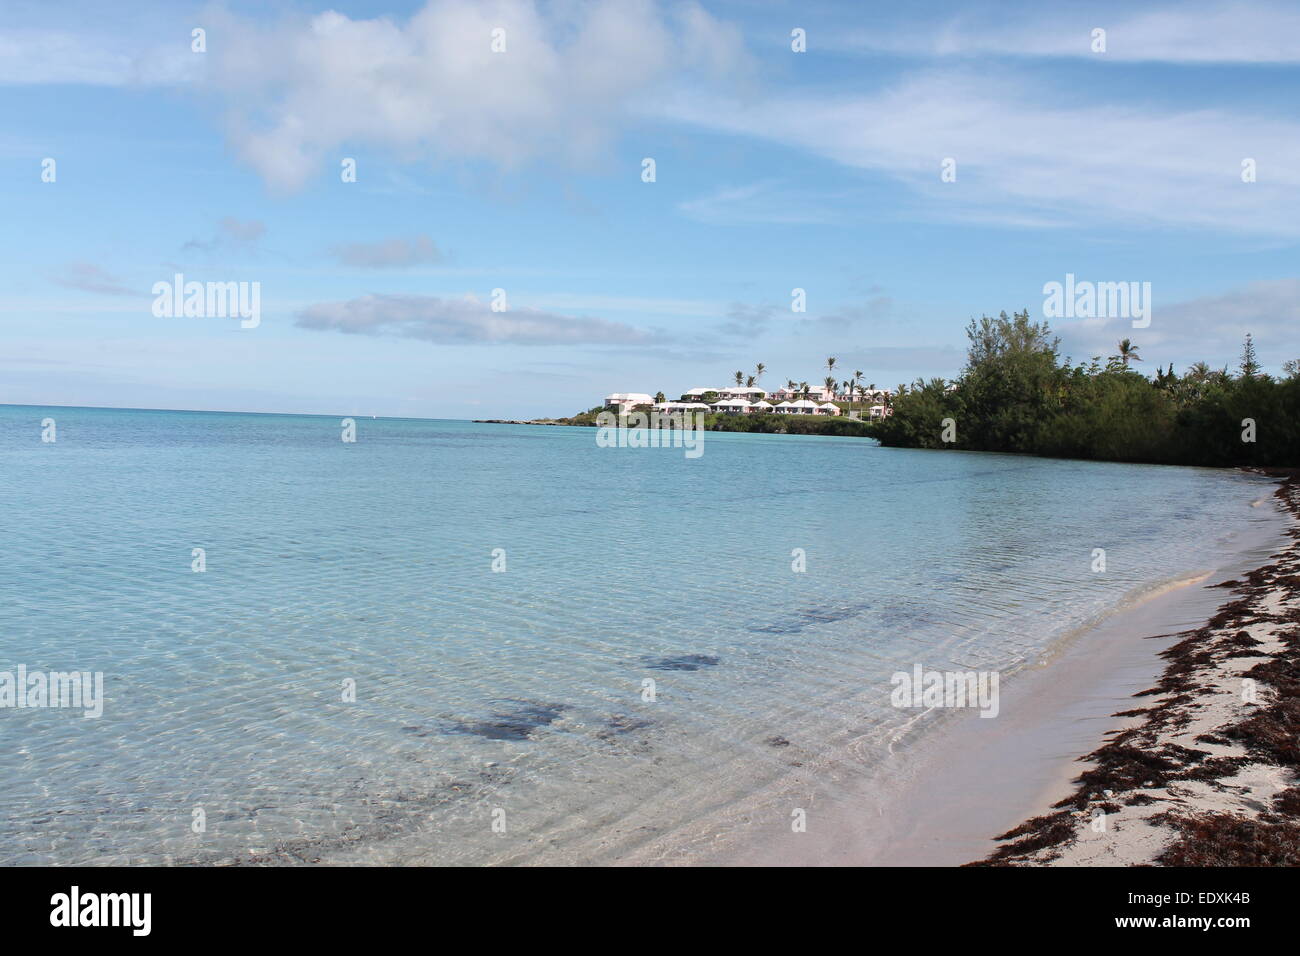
463	321
1025	160
300	91
101	52
1192	33
656	305
1209	328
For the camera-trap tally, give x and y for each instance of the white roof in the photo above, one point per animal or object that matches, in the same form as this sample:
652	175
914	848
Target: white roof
743	390
640	398
803	403
731	403
765	404
785	405
830	405
700	391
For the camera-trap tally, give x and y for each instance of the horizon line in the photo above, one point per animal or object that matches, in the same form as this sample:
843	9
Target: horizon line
222	411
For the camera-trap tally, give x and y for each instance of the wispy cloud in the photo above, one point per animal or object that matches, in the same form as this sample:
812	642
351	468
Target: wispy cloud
88	277
388	253
656	305
463	321
1209	328
923	361
1025	157
768	201
230	231
31	56
746	321
1192	33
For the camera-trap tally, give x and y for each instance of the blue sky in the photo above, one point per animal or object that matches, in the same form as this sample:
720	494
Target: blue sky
521	171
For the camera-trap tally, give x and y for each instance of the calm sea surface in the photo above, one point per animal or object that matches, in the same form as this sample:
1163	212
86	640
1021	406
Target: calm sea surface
512	697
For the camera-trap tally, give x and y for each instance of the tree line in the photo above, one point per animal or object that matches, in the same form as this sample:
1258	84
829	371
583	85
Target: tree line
1016	394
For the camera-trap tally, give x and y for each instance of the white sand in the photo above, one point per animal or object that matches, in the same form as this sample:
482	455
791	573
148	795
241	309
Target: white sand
1131	836
943	800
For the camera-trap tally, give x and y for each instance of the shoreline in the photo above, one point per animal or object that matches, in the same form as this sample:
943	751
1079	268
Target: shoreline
1205	770
946	793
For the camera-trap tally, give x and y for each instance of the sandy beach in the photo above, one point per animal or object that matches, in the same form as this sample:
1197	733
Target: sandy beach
1147	706
1204	772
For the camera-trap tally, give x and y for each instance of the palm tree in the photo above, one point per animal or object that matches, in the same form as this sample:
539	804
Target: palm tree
740	379
829	382
759	369
750	381
803	390
791	387
830	365
857	381
1128	352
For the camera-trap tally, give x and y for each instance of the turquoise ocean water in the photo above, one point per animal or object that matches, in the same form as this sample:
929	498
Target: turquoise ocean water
513	697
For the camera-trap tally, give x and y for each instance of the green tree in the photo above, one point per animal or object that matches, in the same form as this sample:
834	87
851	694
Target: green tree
1016	395
1010	384
1249	364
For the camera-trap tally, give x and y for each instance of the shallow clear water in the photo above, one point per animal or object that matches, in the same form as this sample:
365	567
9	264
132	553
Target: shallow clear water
512	696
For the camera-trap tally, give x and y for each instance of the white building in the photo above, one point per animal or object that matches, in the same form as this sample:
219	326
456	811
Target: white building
741	391
730	405
694	394
681	407
819	392
626	401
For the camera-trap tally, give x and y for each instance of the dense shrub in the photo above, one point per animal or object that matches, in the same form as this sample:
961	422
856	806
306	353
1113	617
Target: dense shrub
1016	394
